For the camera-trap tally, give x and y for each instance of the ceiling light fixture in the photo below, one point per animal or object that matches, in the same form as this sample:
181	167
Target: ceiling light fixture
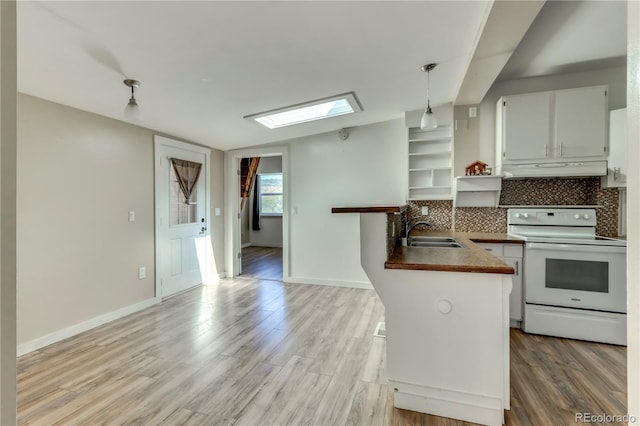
132	109
428	120
347	103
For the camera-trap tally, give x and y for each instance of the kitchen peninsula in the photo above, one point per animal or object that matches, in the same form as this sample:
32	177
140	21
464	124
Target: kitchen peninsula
447	319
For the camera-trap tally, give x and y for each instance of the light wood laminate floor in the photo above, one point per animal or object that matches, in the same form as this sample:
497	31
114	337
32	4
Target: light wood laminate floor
253	352
262	262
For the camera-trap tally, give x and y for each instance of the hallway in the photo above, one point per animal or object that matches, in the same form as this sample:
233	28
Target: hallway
262	262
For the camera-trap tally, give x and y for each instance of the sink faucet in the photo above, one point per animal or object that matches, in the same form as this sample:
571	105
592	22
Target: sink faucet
409	226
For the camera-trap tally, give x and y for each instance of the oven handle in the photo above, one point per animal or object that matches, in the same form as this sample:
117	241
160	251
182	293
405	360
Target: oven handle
584	248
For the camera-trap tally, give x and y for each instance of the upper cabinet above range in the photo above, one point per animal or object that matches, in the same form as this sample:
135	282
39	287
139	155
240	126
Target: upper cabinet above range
561	133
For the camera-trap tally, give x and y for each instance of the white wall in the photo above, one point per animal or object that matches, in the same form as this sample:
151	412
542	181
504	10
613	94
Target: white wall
614	77
78	176
368	168
270	233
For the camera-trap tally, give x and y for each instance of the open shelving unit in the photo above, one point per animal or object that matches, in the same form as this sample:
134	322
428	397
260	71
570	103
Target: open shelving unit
430	163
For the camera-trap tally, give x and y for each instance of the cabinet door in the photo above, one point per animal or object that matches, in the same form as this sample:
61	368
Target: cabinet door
617	173
526	127
581	123
515	299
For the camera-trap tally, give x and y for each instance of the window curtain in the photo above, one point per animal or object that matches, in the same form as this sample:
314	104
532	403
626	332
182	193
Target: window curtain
255	212
187	173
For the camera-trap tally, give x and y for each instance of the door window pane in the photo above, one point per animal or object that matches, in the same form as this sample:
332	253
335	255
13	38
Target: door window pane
583	275
179	212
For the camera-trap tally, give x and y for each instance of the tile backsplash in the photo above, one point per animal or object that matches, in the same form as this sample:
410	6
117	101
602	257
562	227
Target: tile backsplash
549	192
480	219
439	214
524	192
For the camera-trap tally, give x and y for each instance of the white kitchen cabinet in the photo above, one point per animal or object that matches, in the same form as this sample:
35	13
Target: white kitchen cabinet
526	126
430	163
581	123
511	254
617	164
551	127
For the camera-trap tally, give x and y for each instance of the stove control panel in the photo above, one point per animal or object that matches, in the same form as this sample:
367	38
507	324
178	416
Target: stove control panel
551	217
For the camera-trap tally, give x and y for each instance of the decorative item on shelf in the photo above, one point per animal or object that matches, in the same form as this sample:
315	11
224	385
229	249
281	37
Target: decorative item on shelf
477	168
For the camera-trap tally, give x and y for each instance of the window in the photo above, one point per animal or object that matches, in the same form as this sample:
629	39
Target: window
181	213
309	111
270	188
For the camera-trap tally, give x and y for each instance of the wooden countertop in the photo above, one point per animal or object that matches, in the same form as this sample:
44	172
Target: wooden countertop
469	258
369	209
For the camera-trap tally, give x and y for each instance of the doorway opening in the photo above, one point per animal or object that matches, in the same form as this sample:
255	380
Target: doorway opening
234	207
261	209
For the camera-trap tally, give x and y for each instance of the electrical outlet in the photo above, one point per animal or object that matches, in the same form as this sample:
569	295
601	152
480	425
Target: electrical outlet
217	211
424	211
142	272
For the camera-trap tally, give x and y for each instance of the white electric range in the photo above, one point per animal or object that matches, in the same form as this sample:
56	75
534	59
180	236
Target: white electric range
574	280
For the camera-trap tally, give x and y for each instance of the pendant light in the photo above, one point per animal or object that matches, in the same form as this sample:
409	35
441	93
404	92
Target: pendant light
132	110
428	120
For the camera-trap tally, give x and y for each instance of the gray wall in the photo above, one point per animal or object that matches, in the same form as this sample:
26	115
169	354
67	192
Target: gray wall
78	176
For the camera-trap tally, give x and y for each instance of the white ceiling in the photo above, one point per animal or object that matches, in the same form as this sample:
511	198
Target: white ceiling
205	65
571	36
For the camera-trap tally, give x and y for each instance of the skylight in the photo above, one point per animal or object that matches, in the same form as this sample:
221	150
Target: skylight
308	111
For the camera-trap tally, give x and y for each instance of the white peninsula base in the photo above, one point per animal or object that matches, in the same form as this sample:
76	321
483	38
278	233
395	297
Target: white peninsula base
447	334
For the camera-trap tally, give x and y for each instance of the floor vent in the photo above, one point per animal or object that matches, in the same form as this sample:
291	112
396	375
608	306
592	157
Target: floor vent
380	330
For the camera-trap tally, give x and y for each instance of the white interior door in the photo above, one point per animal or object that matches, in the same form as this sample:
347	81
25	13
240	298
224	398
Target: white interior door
181	228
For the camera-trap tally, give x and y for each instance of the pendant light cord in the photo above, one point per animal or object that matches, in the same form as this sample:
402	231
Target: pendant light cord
428	89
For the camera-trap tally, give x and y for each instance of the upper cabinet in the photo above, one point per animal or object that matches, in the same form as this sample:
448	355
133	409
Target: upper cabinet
581	123
552	127
617	167
525	130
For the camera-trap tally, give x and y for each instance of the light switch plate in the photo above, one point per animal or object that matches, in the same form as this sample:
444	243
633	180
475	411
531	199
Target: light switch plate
424	211
132	216
142	272
473	112
217	211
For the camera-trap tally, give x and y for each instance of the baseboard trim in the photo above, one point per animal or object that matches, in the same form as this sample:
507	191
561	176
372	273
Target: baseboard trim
245	245
56	336
448	403
332	283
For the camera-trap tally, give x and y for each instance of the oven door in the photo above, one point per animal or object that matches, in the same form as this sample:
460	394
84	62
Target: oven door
576	276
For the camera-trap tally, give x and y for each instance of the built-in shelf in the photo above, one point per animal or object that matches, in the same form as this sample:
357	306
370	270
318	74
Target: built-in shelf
430	154
430	169
430	163
477	191
431	187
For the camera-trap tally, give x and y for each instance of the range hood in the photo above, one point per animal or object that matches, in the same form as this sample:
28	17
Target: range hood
560	169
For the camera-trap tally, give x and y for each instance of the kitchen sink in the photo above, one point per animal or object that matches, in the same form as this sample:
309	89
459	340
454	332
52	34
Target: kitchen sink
424	241
434	244
427	239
